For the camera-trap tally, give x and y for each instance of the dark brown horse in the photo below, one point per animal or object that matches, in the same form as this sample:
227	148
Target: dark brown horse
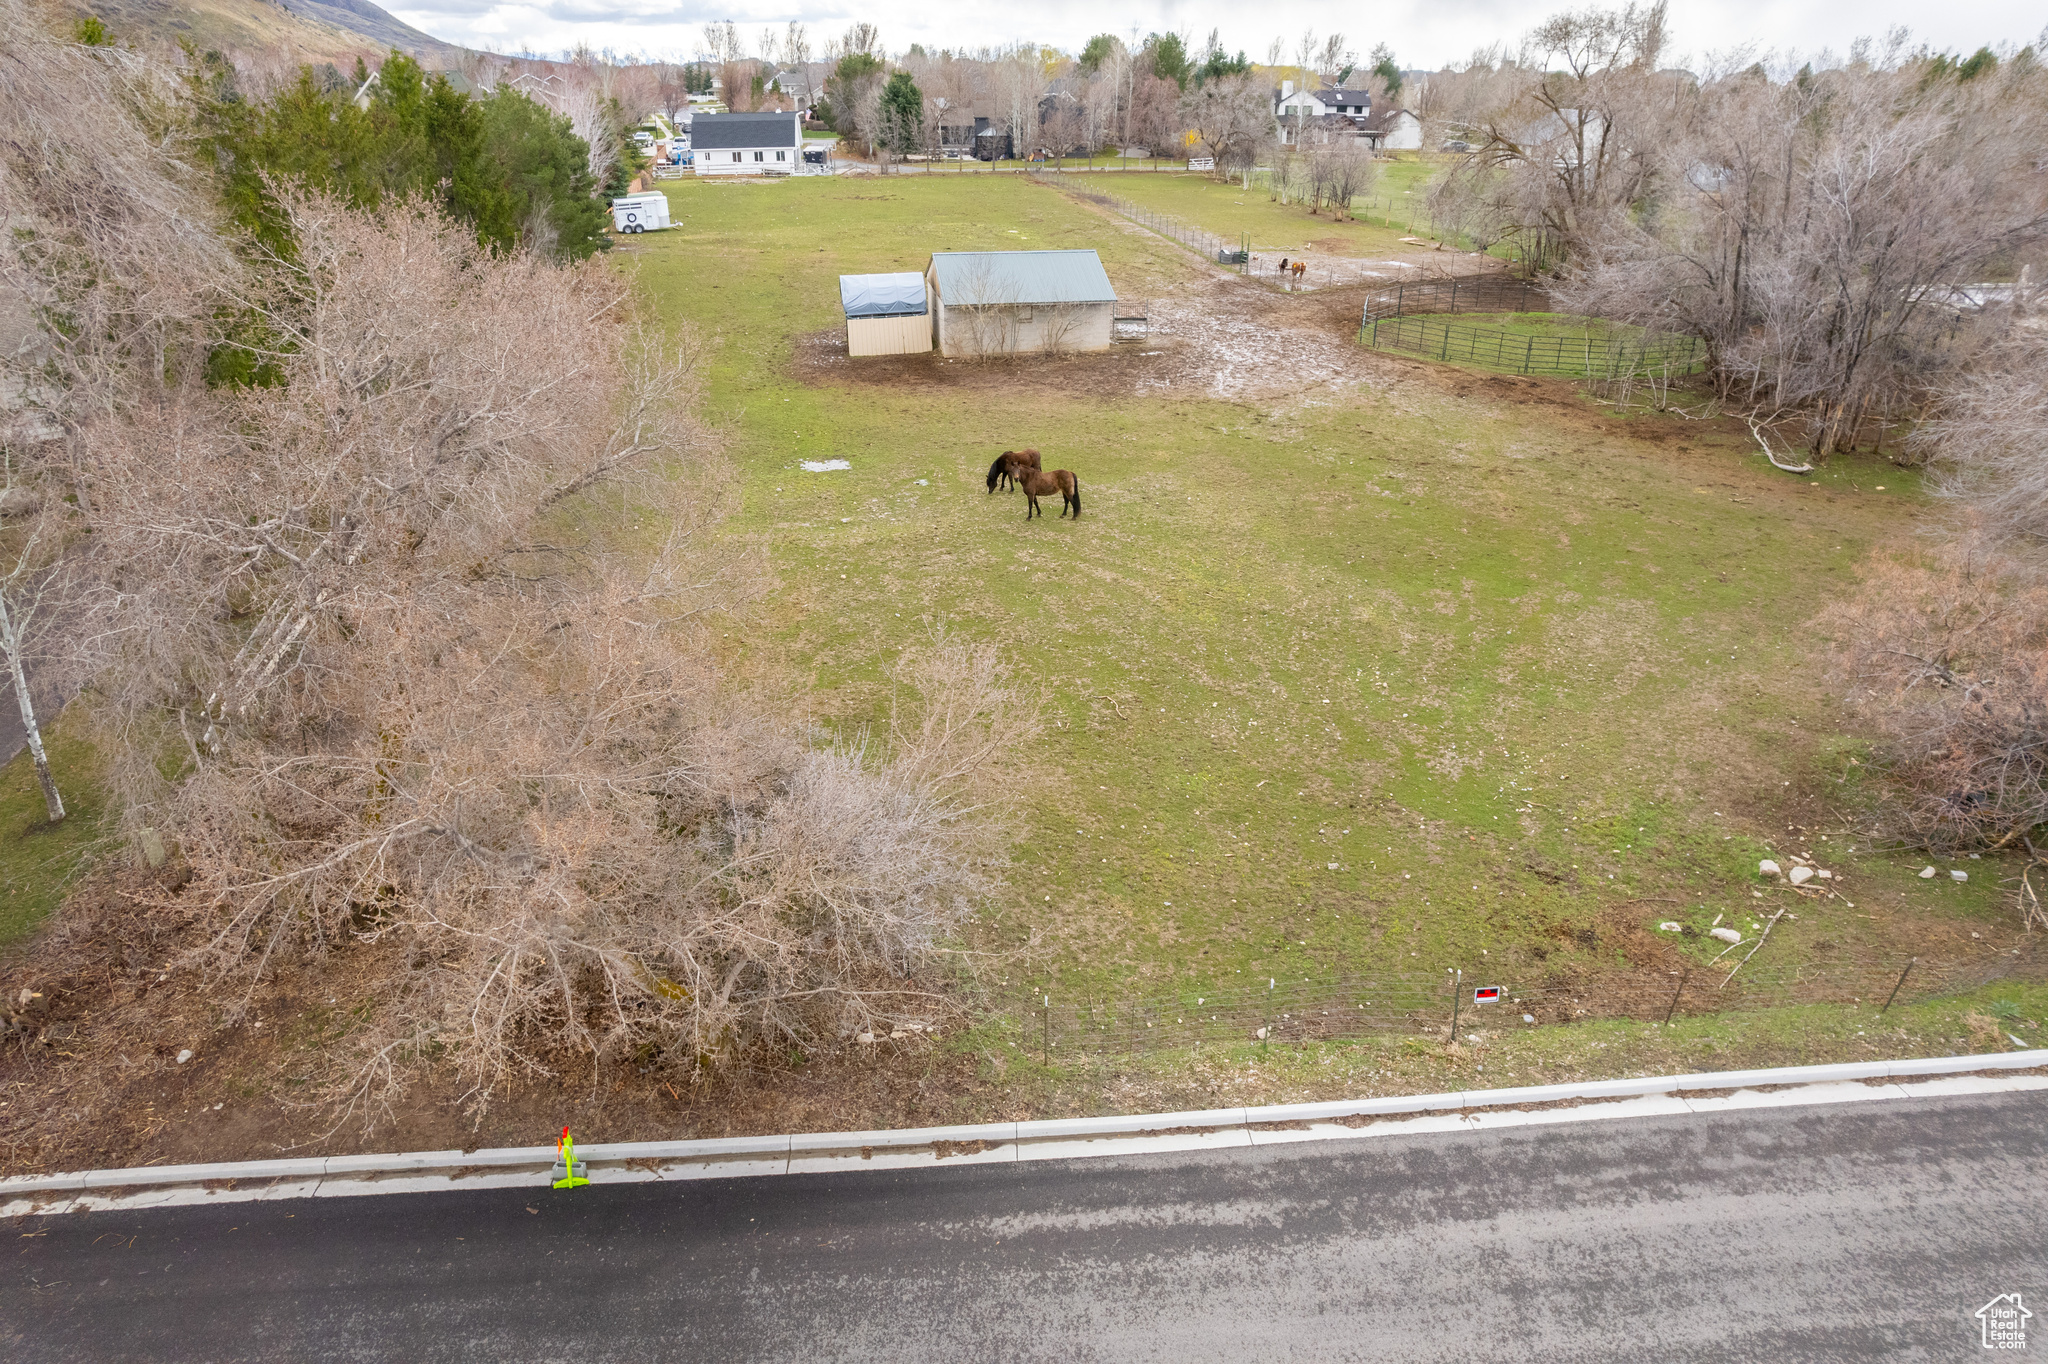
999	472
1036	484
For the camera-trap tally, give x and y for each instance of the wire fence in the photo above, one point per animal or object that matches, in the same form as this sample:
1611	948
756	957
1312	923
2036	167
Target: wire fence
1515	352
1439	1005
1467	294
1219	249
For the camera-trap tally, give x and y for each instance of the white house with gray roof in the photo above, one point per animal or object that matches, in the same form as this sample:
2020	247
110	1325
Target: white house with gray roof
747	144
1019	302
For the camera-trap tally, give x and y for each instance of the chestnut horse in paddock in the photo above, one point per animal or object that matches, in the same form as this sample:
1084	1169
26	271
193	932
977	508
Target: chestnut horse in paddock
1000	472
1036	484
1299	268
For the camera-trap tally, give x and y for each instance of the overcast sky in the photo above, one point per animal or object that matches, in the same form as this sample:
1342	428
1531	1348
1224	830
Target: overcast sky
1421	35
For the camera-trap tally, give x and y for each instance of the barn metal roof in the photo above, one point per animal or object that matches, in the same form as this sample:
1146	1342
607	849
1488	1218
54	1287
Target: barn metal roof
729	132
882	295
1021	277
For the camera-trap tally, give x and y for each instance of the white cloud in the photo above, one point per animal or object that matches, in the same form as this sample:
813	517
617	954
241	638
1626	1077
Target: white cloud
1421	35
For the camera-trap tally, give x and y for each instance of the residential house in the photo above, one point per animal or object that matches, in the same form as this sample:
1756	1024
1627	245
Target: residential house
1297	110
747	144
1392	130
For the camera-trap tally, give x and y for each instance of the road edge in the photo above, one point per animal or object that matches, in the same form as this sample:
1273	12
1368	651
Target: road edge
1013	1142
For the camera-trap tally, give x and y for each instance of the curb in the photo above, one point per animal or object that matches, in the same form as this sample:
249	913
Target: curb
1002	1142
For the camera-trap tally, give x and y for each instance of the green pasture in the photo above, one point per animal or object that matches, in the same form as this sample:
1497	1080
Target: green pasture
1377	676
1233	213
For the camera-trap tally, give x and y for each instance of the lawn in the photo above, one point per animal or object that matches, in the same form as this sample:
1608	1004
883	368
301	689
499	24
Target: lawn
1381	676
39	860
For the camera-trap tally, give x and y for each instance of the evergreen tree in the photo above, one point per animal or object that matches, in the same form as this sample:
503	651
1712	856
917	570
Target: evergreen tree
902	113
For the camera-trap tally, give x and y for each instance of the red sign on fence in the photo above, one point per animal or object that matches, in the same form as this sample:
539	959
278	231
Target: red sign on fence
1486	994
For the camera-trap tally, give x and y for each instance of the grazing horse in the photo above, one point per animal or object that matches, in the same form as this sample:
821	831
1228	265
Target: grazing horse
1283	265
999	472
1036	484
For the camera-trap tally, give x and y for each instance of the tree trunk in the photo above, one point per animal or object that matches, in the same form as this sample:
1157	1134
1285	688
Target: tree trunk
10	643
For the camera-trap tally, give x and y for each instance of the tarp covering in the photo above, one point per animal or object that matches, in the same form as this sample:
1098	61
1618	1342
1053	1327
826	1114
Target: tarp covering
882	295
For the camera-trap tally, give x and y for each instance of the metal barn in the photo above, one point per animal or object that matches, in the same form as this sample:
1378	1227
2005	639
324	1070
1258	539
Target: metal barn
886	314
1019	302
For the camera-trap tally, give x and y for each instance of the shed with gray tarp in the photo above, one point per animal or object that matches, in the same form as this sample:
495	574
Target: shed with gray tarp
1015	302
886	314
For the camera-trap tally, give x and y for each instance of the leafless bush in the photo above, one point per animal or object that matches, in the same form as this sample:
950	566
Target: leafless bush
1947	654
987	313
412	648
101	275
1059	325
1989	441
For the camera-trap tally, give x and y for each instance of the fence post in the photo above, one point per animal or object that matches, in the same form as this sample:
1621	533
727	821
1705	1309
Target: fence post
1528	349
1045	1033
1676	993
1454	294
1457	997
1911	962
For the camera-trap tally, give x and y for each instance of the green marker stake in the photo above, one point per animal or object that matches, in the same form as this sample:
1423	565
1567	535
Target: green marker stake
570	1179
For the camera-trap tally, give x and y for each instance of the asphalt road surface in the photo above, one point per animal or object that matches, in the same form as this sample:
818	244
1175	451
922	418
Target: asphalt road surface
1865	1231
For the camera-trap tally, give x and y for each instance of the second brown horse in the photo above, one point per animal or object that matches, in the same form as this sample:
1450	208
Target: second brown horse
999	472
1036	484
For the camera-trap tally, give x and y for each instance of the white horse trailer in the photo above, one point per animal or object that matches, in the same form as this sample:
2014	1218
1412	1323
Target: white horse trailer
646	211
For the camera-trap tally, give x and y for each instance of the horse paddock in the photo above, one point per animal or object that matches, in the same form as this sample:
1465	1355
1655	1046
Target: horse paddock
1356	662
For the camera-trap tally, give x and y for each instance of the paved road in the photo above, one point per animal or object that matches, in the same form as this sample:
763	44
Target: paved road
1854	1232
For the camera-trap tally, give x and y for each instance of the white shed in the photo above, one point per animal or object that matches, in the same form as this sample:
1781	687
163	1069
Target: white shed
1016	302
886	314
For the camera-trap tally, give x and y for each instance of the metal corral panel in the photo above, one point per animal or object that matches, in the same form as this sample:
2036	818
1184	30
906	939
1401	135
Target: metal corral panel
909	335
1025	277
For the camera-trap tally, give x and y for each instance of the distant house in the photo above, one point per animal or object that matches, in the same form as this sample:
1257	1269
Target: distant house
957	125
1357	103
1291	105
992	143
1017	302
1393	130
747	144
1295	110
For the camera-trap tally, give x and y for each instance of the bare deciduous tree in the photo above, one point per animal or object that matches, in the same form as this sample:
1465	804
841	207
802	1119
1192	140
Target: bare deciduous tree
414	647
1233	118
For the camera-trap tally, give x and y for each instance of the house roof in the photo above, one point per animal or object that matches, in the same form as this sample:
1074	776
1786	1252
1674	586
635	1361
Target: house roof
723	132
1346	98
882	295
1021	277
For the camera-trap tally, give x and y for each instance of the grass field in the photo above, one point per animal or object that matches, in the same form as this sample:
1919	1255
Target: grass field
1380	674
40	861
1233	213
